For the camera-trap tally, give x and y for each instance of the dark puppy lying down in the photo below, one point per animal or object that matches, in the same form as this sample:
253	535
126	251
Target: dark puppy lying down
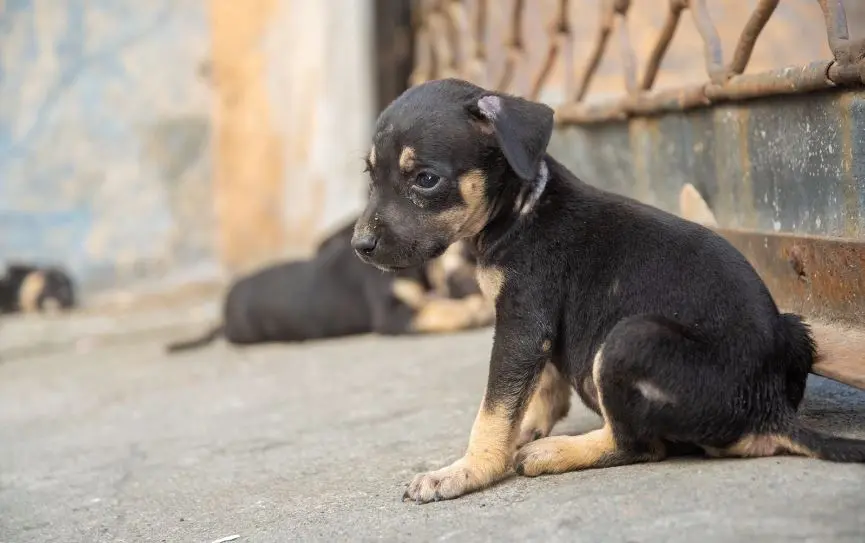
334	294
663	328
28	288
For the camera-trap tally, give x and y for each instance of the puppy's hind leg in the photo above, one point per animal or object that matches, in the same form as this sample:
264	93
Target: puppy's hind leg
549	404
642	401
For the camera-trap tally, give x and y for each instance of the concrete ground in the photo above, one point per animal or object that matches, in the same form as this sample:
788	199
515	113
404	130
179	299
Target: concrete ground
316	442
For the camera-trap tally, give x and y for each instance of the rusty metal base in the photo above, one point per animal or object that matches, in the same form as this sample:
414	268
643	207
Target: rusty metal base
820	277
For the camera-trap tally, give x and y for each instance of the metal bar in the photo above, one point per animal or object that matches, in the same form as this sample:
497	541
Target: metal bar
836	29
513	45
800	79
846	74
567	52
476	67
808	78
582	113
679	99
629	62
750	33
713	53
462	38
606	26
442	46
674	13
559	36
423	64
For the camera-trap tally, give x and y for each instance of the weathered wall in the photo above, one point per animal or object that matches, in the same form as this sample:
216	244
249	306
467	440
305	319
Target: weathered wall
104	137
793	164
294	113
179	139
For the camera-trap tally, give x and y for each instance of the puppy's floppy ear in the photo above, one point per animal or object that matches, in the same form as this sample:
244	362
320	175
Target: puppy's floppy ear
522	129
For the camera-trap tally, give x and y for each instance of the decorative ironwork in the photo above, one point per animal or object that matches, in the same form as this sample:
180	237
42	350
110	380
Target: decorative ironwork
450	42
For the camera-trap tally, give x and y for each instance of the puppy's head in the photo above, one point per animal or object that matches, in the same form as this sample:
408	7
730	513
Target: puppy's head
446	156
58	292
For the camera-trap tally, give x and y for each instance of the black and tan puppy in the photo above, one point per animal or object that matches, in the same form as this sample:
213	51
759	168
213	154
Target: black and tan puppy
28	288
663	328
334	294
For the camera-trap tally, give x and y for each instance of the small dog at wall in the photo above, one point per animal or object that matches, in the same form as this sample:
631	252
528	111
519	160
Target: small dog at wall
663	328
29	288
334	295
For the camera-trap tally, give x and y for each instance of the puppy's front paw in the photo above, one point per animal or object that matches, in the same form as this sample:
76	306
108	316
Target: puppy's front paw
444	484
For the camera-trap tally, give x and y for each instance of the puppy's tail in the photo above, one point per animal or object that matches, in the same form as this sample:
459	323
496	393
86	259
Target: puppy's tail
796	347
814	444
824	349
210	336
840	352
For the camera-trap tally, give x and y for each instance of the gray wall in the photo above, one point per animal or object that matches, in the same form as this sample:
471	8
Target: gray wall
176	140
105	136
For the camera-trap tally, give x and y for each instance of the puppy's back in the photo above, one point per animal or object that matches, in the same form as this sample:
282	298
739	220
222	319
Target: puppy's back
300	300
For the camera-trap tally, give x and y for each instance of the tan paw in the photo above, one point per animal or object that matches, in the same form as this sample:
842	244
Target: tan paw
443	484
540	457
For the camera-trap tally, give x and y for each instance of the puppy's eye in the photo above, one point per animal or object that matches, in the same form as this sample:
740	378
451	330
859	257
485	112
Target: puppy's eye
426	180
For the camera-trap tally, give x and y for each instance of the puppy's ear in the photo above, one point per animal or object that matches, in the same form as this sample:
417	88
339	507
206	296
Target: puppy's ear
522	129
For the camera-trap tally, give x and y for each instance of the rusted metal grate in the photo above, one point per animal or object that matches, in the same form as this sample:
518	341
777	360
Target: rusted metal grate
451	41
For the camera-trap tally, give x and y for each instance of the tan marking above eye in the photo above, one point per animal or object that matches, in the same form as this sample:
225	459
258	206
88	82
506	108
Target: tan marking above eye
472	186
406	159
469	218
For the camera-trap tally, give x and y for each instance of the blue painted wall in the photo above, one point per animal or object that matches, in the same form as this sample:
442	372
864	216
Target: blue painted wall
105	132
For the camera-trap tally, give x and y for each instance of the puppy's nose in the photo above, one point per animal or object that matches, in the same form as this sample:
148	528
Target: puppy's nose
364	244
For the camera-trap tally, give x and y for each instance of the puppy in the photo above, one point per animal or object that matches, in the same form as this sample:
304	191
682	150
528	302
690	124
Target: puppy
662	327
335	295
28	288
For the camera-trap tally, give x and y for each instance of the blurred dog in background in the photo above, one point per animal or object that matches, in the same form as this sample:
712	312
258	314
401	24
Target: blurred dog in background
334	294
29	288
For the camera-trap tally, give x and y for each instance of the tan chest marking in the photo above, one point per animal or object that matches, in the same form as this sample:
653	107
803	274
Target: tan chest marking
491	280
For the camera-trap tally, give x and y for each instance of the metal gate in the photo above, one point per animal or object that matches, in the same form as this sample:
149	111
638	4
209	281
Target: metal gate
777	151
